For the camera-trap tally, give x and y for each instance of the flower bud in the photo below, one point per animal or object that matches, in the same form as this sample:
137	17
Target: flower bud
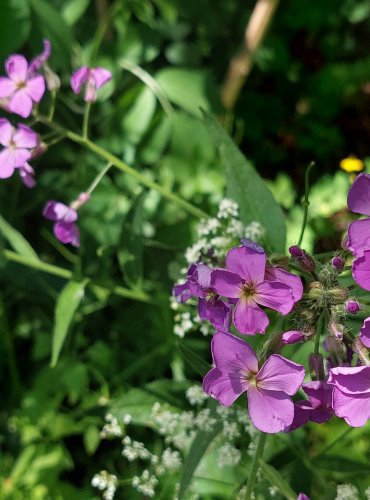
338	263
316	290
52	79
338	294
352	306
296	252
336	329
316	366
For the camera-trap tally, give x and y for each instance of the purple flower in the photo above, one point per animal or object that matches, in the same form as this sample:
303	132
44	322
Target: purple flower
27	175
351	394
365	333
303	496
244	281
210	306
268	389
17	143
39	61
292	337
318	407
94	78
361	269
289	279
358	201
20	89
65	229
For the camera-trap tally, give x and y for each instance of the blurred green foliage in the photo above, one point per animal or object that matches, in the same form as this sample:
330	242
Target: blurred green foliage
306	98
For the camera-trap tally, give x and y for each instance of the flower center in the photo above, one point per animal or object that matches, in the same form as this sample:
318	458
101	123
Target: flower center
248	291
251	378
21	85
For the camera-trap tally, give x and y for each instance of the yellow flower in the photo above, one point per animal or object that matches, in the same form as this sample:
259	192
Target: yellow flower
351	164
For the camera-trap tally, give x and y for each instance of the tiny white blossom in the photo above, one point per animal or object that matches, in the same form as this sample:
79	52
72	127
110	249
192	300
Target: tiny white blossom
105	482
204	421
347	492
254	231
228	455
230	430
133	450
208	226
111	428
196	395
273	490
193	253
171	459
145	484
227	208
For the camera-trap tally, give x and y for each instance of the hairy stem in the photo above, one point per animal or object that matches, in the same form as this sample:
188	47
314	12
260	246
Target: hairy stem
306	202
255	464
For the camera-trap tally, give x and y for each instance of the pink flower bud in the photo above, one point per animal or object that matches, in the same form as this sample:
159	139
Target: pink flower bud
338	263
352	306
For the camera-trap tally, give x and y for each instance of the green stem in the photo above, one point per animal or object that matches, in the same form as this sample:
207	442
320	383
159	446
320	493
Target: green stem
318	332
332	443
305	201
255	465
68	275
98	178
85	124
52	105
103	153
11	357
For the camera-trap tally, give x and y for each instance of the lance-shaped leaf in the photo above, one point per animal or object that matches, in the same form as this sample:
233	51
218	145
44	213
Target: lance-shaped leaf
16	240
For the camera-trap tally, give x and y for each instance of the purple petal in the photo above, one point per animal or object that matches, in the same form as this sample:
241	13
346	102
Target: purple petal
249	318
351	380
252	244
289	279
38	61
17	67
7	87
233	355
355	409
90	92
358	200
21	103
6	132
321	415
67	232
100	76
181	292
25	137
280	374
217	312
226	283
35	88
319	393
361	270
56	211
292	337
78	78
302	412
303	496
247	263
27	174
270	412
21	156
225	387
202	276
275	295
7	163
359	237
365	333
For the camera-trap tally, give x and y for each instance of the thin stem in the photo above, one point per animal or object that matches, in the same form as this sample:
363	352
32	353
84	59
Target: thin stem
67	274
332	443
318	332
103	153
11	357
98	178
85	124
52	105
306	202
255	464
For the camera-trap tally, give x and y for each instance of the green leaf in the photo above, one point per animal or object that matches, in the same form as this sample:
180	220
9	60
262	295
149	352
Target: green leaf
67	304
198	447
52	26
193	359
276	479
248	189
91	439
137	119
190	89
335	463
73	10
15	25
130	252
16	240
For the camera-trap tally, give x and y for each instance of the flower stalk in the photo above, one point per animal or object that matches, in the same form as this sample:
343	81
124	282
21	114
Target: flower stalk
306	202
255	465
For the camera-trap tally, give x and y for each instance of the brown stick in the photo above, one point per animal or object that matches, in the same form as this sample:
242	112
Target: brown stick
241	64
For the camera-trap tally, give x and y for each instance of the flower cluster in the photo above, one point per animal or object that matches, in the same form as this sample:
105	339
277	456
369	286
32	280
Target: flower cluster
21	91
234	295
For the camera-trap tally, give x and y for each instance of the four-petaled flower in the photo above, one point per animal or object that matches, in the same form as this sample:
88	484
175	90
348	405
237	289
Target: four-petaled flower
18	143
268	388
21	88
94	78
64	217
351	393
244	281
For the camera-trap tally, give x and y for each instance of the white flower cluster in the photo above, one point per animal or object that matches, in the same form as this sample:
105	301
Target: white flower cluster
105	482
195	395
347	492
145	483
183	324
228	455
111	428
132	450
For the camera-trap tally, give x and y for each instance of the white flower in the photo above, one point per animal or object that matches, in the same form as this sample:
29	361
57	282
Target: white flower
204	421
111	428
227	208
133	450
254	231
145	484
208	226
193	253
228	455
196	395
171	459
347	492
105	482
